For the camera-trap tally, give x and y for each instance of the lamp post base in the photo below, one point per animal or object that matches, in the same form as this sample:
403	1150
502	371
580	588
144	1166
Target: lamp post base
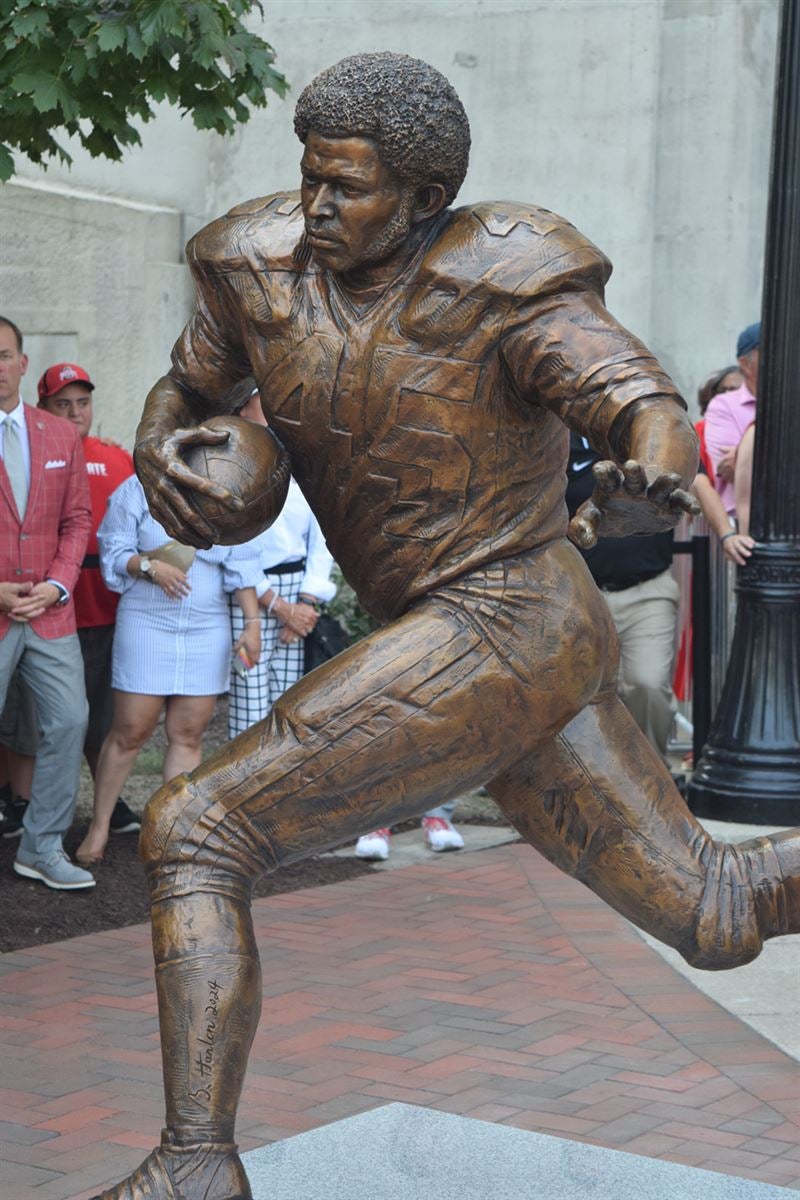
750	768
750	789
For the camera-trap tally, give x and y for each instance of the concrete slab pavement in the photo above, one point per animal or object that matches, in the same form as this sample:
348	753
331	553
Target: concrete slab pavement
402	1152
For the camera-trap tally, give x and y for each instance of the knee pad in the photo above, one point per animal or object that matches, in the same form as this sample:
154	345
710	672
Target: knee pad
189	843
166	822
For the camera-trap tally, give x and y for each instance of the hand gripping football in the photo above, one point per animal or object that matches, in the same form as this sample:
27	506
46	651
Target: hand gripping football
252	465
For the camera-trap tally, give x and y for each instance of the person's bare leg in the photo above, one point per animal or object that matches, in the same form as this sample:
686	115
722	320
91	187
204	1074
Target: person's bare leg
135	718
599	802
186	721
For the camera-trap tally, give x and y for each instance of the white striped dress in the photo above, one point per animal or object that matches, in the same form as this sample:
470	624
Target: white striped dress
162	646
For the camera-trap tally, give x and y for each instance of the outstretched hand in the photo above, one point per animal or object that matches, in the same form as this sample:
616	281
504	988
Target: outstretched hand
167	479
630	499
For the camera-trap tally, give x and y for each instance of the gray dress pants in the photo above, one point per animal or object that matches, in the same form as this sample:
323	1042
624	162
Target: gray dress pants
53	670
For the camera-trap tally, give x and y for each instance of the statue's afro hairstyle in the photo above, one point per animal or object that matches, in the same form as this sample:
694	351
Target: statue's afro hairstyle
404	105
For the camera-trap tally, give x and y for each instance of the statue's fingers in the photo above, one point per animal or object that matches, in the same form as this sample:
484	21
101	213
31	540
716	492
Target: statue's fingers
175	513
608	478
684	502
663	486
635	477
199	483
584	526
199	435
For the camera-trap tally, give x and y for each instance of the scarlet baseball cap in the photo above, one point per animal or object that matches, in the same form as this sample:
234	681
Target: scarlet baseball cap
57	377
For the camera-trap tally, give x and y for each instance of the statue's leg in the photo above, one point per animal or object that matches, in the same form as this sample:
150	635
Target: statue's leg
598	802
439	701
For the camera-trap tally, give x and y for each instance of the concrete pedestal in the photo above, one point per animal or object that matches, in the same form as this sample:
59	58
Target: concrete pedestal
401	1152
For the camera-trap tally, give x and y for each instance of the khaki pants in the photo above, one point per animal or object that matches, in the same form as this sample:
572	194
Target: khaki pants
645	617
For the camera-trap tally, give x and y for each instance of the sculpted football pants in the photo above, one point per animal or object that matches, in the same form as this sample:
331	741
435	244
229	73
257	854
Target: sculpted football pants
504	675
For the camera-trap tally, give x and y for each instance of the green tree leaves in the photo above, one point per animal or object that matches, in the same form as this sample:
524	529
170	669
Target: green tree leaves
88	67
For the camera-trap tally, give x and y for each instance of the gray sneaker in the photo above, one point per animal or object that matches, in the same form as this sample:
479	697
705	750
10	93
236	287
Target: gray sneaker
53	869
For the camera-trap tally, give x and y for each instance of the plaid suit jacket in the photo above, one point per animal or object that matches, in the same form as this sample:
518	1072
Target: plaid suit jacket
51	541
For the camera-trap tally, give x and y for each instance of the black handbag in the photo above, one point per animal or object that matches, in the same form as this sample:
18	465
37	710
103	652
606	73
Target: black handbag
327	639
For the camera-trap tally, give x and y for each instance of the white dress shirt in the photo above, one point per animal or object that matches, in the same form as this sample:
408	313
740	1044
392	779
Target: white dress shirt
17	415
294	536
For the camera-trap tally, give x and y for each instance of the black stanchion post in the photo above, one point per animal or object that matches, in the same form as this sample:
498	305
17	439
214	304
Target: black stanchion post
701	644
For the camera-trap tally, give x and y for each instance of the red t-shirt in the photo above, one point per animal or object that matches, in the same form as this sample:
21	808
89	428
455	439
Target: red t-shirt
107	466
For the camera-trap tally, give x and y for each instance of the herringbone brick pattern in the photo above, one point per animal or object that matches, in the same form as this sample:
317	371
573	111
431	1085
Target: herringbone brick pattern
488	985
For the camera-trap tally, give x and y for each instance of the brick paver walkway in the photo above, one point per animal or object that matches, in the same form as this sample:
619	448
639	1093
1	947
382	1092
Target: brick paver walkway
486	984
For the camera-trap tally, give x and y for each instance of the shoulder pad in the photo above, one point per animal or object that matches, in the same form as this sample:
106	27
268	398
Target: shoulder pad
265	230
502	218
517	250
279	204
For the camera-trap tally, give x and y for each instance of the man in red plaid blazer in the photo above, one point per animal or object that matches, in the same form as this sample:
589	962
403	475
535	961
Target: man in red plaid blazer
44	525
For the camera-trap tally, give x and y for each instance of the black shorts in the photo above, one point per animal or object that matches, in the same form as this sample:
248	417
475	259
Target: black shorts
96	643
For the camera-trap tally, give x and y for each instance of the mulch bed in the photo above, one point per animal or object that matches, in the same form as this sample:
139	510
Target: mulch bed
33	914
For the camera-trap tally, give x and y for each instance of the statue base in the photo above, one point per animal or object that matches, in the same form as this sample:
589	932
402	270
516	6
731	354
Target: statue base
401	1152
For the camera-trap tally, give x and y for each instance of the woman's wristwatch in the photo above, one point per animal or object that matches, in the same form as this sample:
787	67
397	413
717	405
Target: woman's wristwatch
147	568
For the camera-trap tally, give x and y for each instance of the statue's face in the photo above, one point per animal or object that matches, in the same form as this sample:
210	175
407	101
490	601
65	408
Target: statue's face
356	210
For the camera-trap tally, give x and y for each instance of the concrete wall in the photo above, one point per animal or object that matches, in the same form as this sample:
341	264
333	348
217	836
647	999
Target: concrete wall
646	122
712	137
95	282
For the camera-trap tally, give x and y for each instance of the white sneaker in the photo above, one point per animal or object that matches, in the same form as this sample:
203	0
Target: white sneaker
55	870
441	834
374	845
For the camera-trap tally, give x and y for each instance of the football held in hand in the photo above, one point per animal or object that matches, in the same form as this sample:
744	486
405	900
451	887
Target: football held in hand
253	466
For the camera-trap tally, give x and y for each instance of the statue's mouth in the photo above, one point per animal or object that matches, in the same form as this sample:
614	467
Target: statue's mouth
322	239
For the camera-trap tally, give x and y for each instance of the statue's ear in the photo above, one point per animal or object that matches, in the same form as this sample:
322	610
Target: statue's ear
430	200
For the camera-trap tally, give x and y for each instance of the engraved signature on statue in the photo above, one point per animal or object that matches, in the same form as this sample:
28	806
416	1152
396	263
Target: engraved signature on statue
204	1062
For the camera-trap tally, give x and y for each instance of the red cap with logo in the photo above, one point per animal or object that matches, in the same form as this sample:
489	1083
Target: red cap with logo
57	377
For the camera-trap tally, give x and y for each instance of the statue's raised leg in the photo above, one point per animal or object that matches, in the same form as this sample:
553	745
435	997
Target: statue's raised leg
598	802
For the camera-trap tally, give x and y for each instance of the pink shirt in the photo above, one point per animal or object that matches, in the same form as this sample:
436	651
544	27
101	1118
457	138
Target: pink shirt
727	417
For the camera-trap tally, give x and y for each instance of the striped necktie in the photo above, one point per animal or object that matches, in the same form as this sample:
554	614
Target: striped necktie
15	465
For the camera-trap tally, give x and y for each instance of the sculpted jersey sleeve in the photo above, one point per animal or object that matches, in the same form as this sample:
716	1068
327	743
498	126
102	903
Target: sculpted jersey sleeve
210	355
563	348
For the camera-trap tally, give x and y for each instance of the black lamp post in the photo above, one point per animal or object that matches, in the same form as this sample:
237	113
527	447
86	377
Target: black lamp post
750	767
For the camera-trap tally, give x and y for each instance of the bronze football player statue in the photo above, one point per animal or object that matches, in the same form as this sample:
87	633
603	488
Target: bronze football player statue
422	366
